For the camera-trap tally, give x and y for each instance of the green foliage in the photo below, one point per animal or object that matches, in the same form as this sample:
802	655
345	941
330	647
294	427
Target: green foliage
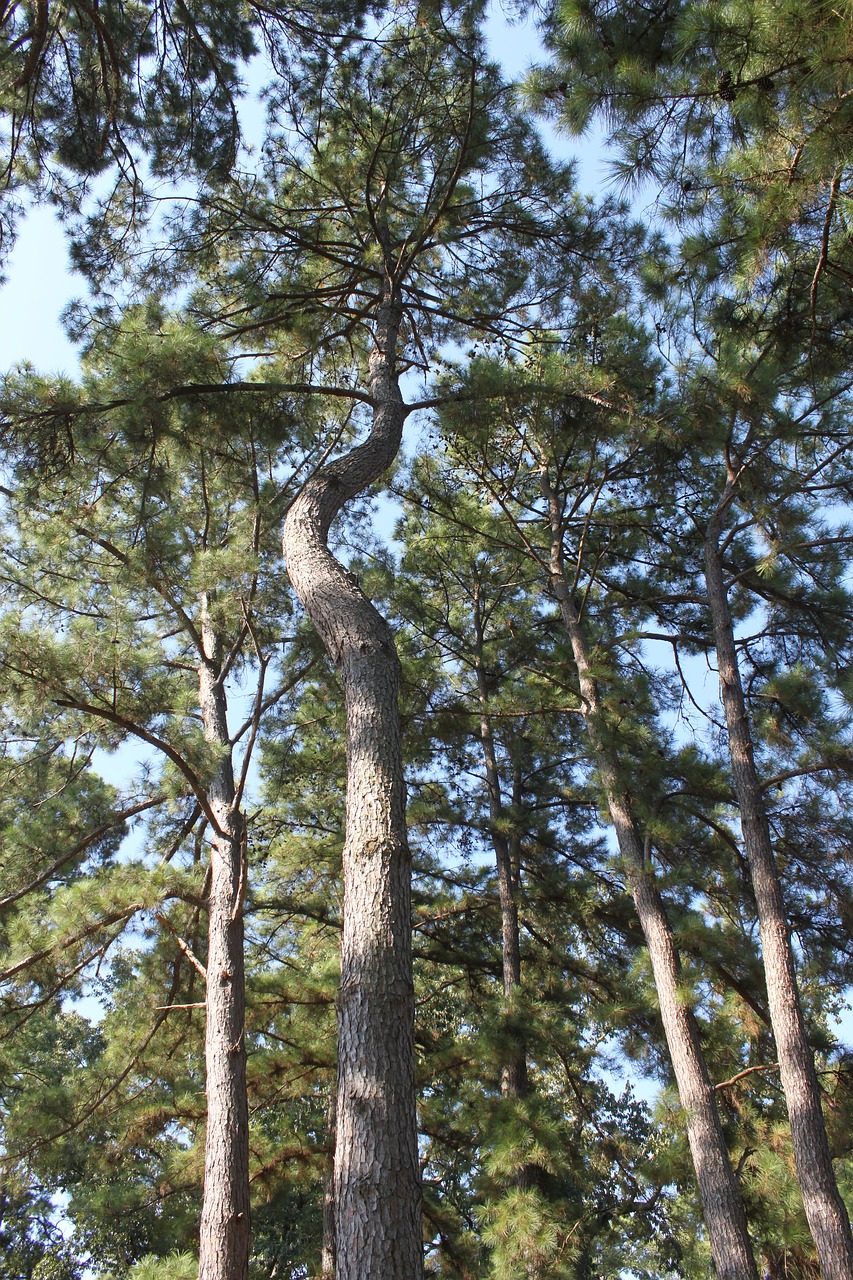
177	1266
643	381
136	90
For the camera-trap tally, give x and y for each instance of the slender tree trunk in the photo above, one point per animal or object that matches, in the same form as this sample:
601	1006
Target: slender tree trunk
377	1177
825	1211
722	1204
514	1083
224	1233
327	1255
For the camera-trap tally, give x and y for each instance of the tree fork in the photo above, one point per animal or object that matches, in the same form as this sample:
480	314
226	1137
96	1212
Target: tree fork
377	1208
825	1210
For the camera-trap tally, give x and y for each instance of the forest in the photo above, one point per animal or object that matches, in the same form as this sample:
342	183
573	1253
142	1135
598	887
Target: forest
426	645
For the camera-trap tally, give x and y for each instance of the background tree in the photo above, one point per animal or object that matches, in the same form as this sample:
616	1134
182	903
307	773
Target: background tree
131	616
547	1206
532	468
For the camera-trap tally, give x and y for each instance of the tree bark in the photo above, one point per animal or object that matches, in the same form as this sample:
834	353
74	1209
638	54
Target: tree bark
722	1204
377	1177
327	1252
825	1210
514	1082
224	1231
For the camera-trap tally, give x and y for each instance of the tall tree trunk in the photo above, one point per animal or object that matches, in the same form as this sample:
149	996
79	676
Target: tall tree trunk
722	1204
825	1211
327	1254
514	1082
224	1233
377	1177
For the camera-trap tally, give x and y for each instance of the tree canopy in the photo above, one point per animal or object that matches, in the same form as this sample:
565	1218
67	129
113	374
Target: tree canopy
425	650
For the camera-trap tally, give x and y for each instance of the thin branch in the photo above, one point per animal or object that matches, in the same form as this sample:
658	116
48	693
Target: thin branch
748	1071
80	847
153	740
65	942
824	249
186	391
184	946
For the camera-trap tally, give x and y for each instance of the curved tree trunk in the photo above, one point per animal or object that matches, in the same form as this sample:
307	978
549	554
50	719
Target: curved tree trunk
825	1210
377	1182
722	1204
224	1233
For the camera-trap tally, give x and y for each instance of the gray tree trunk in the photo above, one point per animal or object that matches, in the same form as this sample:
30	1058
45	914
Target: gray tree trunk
327	1254
514	1083
722	1204
825	1211
224	1231
378	1228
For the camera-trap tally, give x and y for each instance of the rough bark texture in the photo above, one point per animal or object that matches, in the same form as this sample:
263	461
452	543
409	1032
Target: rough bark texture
825	1211
377	1181
722	1204
224	1232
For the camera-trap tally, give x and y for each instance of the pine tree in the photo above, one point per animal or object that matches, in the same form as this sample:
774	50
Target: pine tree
548	1208
142	581
544	446
734	111
773	513
372	284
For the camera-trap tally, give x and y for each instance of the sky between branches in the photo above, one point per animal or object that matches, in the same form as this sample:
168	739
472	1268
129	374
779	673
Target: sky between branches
39	283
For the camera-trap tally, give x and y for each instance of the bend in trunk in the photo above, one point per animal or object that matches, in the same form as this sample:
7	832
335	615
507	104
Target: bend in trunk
377	1179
